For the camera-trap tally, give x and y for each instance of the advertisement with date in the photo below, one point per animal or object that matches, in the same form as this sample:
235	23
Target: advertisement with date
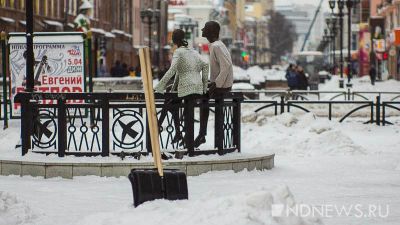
58	68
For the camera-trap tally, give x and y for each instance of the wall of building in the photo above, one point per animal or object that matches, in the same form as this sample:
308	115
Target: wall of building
116	25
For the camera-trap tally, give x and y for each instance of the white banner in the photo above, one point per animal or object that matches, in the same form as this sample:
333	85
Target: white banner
58	67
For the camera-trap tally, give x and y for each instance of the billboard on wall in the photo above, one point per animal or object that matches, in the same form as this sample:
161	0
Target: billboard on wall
364	49
59	64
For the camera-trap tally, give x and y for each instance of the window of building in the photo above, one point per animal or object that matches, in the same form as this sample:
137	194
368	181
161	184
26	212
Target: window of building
3	3
22	4
73	7
52	8
12	4
45	8
36	6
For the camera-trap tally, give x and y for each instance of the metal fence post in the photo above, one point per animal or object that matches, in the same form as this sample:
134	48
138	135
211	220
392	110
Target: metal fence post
105	151
148	140
219	124
282	104
189	125
26	126
378	110
4	71
383	114
372	112
236	123
90	60
62	127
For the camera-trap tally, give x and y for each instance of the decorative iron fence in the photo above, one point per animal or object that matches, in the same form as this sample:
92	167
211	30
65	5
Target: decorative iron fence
377	108
115	123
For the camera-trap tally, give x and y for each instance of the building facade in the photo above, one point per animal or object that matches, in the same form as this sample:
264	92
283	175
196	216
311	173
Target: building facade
117	27
389	11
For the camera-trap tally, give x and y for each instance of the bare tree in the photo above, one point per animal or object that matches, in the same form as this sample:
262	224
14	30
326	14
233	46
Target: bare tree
282	35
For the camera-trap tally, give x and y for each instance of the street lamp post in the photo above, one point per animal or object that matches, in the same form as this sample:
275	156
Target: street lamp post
341	6
30	85
326	41
149	16
350	4
332	4
331	22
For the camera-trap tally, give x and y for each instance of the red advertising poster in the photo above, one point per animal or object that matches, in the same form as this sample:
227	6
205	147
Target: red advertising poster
59	65
364	50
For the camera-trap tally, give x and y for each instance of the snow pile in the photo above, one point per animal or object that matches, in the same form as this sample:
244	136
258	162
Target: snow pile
302	135
14	211
241	208
240	74
329	143
242	86
256	74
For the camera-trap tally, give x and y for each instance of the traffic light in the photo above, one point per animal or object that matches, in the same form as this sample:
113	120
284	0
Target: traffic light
385	56
245	56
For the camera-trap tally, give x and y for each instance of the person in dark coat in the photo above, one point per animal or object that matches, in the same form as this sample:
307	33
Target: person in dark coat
291	77
372	74
116	70
124	71
302	82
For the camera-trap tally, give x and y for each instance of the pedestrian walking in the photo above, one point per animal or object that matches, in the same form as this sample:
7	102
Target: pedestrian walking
302	81
221	75
116	70
372	74
291	77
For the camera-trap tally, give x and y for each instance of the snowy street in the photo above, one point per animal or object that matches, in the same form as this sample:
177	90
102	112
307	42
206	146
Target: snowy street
318	163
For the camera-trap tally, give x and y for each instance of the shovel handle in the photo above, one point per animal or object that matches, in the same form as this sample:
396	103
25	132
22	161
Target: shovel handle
147	78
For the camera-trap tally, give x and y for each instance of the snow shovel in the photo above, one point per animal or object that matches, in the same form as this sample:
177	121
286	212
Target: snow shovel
151	184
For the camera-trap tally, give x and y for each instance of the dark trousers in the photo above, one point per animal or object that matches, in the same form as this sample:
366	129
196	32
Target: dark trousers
205	109
172	105
173	108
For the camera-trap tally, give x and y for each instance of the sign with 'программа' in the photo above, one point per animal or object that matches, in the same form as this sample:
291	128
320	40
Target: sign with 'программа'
58	66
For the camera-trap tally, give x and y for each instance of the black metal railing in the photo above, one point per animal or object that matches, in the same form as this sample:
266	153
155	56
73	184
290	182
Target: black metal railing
377	109
115	123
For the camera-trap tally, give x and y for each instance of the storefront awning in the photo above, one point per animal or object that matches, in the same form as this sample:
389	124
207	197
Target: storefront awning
115	31
53	23
110	35
6	19
98	30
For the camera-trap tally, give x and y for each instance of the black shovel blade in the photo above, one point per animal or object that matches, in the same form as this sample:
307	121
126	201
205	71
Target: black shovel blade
176	187
147	185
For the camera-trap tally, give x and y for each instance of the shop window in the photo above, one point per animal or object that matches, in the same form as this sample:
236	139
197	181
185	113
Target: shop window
22	4
36	6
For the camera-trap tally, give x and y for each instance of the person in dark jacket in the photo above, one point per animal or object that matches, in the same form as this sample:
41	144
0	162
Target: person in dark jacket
291	77
124	71
372	74
302	82
116	70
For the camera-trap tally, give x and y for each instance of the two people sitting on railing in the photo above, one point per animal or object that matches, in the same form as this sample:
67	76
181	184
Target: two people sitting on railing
296	78
192	74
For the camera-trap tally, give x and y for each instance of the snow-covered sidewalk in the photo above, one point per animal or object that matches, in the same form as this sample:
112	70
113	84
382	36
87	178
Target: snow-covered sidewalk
319	163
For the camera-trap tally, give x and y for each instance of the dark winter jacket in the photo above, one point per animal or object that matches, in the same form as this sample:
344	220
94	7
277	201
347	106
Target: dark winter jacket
302	81
291	78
